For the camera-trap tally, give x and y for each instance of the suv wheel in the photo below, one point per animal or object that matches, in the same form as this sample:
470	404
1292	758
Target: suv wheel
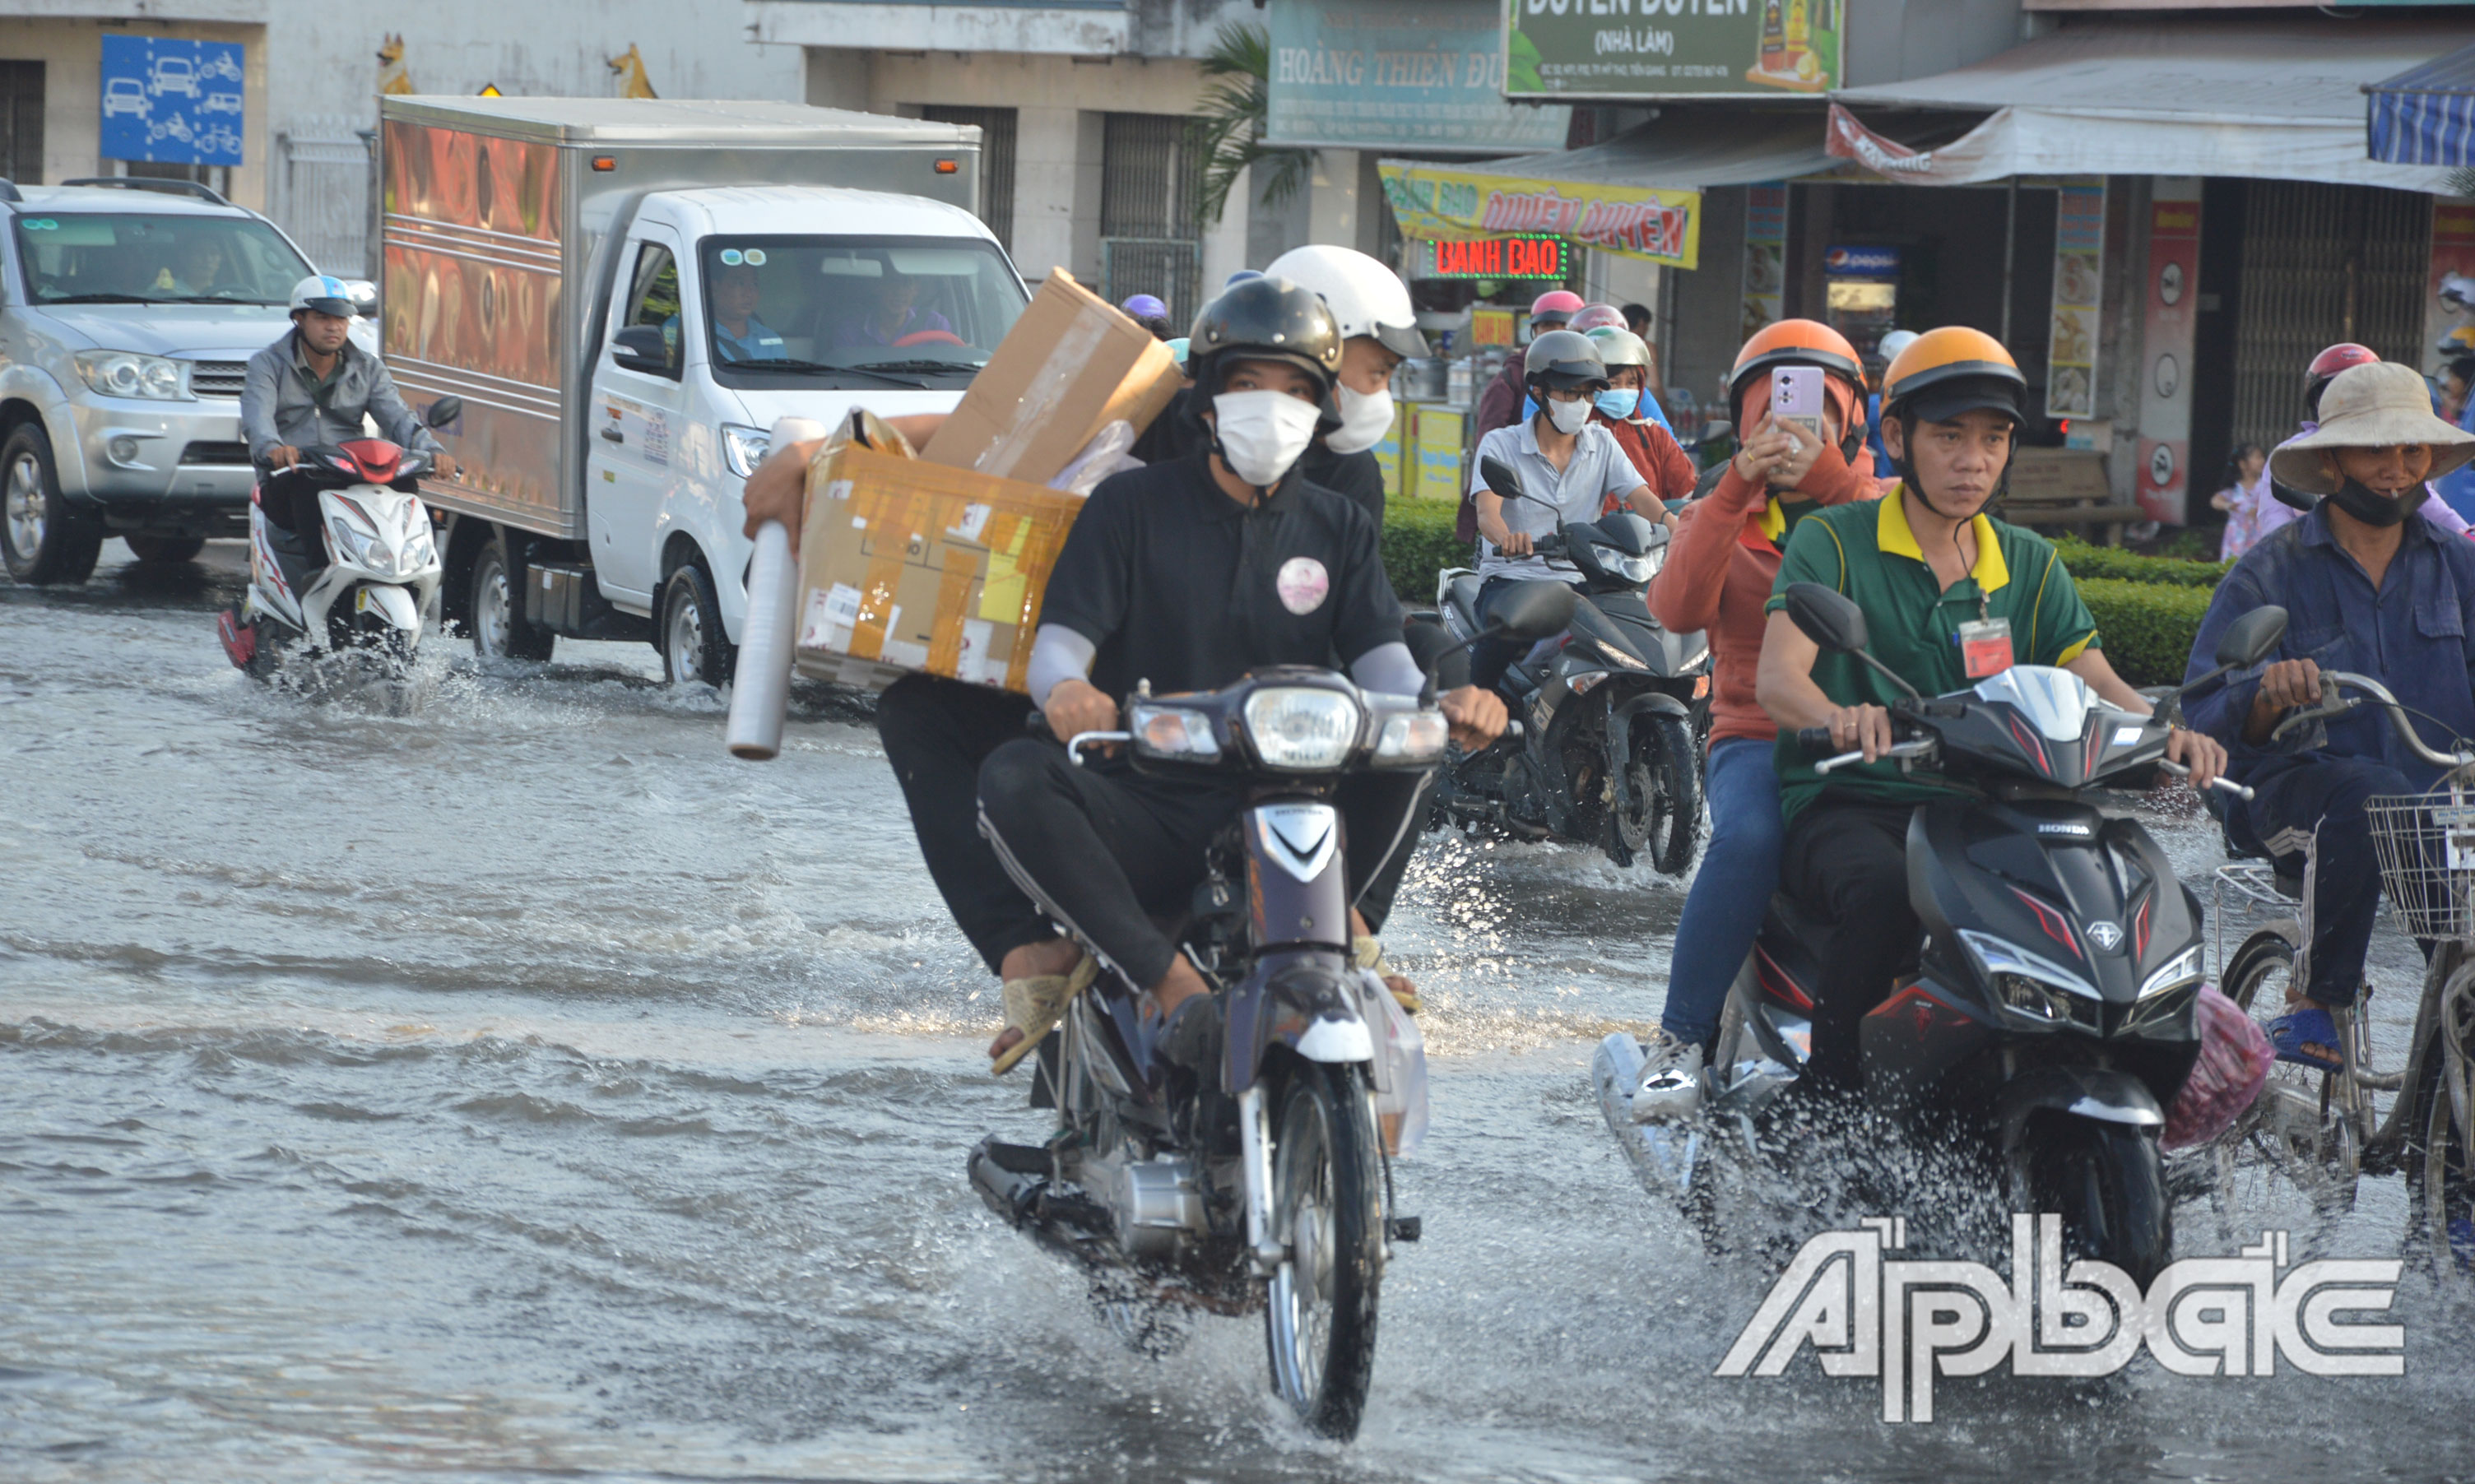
500	631
691	637
44	539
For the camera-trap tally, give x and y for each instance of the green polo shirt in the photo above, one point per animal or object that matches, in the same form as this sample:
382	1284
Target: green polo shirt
1866	551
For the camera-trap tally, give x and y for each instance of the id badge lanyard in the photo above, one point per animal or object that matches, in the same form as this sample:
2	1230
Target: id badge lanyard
1984	644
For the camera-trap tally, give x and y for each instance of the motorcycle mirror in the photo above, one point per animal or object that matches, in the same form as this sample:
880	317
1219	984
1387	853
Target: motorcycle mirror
443	413
1714	431
1533	610
1827	617
1499	478
2250	639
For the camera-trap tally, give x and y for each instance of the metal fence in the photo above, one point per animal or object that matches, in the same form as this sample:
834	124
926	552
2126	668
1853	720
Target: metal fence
1170	267
322	183
1151	240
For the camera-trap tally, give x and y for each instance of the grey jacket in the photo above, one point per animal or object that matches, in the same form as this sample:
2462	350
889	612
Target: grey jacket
276	406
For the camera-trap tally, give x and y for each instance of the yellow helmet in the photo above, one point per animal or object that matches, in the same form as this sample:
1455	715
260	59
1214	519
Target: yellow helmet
1944	373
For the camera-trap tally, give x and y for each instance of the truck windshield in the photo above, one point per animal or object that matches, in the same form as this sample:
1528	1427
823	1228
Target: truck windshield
99	258
857	311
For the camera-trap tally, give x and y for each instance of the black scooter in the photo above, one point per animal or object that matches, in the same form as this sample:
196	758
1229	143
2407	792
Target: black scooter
2050	1020
1613	716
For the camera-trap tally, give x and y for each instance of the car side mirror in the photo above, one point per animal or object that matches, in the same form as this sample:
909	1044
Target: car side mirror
1532	611
444	412
2252	638
1498	476
1827	617
642	348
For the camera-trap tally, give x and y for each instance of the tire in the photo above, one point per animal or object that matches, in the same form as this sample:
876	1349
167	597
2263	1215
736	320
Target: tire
1328	1212
165	550
2440	1170
44	539
690	635
500	631
2108	1184
1658	814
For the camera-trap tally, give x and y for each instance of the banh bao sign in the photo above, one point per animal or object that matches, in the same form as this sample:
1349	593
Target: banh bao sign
1625	49
1440	204
1500	257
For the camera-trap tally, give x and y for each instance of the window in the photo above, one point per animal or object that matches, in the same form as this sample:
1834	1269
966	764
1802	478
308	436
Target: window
100	257
854	311
21	121
653	299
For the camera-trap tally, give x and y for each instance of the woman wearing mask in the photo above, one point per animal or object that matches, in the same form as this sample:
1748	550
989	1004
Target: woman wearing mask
1719	572
1626	409
1379	331
2245	499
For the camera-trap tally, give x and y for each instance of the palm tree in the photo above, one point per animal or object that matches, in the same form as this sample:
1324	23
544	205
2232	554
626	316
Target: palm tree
1227	135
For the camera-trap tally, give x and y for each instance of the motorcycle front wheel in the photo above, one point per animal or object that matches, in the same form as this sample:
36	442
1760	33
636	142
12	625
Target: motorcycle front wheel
1328	1213
2107	1181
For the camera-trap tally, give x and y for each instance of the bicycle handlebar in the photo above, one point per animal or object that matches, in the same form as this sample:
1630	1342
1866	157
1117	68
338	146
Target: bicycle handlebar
2388	702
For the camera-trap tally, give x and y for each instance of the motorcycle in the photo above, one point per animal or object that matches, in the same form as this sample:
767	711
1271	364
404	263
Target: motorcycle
369	601
1267	1187
2050	1020
1614	711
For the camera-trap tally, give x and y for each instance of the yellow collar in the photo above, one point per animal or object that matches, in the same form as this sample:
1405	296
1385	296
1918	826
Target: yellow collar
1774	519
1892	535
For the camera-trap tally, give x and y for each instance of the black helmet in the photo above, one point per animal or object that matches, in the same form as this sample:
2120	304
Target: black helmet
1266	319
1564	361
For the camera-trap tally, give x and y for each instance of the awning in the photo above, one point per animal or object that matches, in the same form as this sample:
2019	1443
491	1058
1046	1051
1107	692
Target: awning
1639	194
2426	115
2270	100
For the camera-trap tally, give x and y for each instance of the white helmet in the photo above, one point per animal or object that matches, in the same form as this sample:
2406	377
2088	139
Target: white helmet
1889	347
326	295
1365	296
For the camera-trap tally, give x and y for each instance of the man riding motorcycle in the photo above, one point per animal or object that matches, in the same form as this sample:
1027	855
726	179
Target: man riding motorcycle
1499	406
1949	596
1569	467
1720	570
2366	588
1184	577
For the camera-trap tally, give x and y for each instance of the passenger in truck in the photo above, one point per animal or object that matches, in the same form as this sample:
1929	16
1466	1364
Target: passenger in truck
894	320
738	334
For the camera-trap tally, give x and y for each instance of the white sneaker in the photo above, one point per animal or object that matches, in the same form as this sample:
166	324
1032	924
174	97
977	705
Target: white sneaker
1671	1079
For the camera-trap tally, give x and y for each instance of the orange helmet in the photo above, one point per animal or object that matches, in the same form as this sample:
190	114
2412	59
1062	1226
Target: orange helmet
1946	372
1794	343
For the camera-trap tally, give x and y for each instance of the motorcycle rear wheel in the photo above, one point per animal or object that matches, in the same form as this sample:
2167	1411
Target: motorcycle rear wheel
2108	1184
1328	1211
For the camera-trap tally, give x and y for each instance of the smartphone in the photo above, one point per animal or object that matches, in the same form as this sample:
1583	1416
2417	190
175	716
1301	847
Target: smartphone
1796	397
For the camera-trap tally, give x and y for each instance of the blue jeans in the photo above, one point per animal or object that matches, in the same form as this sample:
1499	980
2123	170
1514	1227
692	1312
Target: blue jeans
1740	869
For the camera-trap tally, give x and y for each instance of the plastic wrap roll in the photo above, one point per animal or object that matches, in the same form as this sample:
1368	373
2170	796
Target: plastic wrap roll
760	693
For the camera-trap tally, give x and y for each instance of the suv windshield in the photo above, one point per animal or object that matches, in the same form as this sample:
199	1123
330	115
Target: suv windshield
94	257
856	311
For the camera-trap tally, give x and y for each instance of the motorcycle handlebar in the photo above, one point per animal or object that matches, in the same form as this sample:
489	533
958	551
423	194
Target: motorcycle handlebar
2240	790
1815	740
1906	749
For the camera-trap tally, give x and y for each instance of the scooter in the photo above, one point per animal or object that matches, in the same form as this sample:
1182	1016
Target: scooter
2051	1018
1614	709
368	603
1267	1187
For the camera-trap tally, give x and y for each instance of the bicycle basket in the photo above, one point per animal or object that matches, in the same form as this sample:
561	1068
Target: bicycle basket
2426	847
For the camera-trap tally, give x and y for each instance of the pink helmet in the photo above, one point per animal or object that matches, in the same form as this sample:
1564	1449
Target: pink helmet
1596	317
1554	307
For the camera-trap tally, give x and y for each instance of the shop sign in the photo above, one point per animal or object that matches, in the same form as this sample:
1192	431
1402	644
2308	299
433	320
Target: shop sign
1629	49
170	101
2079	286
1387	74
2168	325
1495	257
1861	262
1765	280
1441	204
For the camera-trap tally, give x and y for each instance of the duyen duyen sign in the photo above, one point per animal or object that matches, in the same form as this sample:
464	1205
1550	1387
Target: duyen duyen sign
1625	49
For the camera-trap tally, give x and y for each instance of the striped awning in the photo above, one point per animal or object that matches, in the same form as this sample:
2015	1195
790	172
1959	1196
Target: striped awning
2425	115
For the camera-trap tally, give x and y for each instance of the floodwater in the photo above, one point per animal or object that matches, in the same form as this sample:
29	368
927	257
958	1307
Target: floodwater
523	1088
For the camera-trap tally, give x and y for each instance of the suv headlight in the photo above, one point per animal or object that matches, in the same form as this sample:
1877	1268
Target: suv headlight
128	373
744	448
1172	732
1303	729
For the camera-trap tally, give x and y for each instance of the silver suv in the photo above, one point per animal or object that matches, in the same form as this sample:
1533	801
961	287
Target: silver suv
127	315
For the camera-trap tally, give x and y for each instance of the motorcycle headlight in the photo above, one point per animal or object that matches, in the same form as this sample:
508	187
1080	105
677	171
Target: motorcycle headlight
1633	568
1617	656
2180	970
1413	737
1172	732
128	373
1301	729
2033	985
360	550
744	448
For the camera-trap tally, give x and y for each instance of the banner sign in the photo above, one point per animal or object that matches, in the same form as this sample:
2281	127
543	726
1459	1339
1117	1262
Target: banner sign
1765	257
1495	257
2165	342
171	102
1387	74
1441	204
1625	50
2079	259
1963	161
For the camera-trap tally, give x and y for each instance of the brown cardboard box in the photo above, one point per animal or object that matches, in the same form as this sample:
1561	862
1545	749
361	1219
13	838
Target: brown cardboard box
906	565
1070	366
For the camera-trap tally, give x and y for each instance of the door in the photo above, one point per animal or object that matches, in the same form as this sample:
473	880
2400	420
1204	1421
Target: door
636	409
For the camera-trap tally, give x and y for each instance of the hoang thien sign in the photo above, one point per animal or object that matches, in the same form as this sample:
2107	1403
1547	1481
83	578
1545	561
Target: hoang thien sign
1629	49
1394	74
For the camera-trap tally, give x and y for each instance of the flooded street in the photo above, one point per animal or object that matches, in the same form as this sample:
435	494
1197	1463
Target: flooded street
523	1088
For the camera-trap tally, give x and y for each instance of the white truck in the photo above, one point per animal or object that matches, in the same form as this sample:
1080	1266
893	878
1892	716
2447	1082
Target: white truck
627	294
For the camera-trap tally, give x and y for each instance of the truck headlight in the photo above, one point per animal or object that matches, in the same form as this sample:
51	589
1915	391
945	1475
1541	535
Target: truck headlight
744	448
1301	728
128	373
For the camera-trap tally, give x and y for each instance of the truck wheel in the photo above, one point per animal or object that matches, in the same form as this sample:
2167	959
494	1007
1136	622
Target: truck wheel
44	538
165	550
691	637
500	631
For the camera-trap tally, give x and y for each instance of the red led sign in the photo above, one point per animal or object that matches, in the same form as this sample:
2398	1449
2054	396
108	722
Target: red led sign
1504	258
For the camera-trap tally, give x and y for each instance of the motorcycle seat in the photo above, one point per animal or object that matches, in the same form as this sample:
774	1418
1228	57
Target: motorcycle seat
1462	597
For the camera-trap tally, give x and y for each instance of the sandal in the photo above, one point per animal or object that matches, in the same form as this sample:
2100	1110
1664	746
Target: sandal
2298	1033
1367	952
1034	1006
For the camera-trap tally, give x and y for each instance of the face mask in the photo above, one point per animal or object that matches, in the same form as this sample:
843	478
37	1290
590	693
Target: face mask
1261	434
1364	420
2374	508
1568	416
1619	402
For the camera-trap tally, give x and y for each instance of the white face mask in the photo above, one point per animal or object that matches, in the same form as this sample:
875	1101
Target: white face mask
1364	420
1262	433
1568	416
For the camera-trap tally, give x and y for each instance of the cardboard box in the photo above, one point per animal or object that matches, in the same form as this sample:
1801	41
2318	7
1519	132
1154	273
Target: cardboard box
1070	366
907	565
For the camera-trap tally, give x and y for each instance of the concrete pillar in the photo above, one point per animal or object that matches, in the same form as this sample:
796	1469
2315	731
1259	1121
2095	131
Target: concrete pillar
1333	208
1090	133
837	78
1225	244
1044	144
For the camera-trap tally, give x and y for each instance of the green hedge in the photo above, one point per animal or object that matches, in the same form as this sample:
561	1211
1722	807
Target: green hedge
2146	628
2085	561
1418	542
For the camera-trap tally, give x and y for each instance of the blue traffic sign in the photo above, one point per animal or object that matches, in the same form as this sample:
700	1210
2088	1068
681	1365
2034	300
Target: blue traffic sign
171	102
